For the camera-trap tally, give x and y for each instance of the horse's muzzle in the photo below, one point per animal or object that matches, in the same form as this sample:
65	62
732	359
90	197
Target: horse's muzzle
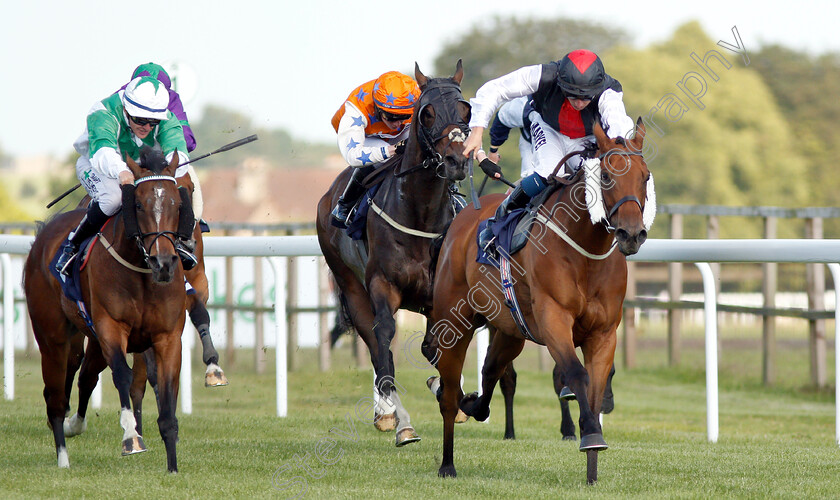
456	166
629	241
163	267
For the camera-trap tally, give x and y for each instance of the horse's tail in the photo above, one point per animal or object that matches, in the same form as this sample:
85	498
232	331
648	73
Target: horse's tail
343	323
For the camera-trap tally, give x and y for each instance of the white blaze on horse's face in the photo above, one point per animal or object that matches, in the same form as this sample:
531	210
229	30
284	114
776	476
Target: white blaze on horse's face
158	208
457	135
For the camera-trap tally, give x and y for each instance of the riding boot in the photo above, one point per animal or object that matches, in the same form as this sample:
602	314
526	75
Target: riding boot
352	193
186	249
518	198
91	223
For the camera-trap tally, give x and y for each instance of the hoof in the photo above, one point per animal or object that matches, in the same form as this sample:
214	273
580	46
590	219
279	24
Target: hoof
385	423
470	405
448	471
74	426
215	377
569	438
133	445
461	417
566	394
406	436
593	442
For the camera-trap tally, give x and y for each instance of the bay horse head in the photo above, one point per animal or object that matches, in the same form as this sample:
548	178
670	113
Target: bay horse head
152	210
625	186
441	123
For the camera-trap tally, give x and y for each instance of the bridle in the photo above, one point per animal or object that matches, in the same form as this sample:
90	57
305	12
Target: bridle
444	94
130	217
625	199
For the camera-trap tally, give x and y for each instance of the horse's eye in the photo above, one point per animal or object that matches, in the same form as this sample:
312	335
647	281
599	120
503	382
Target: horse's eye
605	177
138	206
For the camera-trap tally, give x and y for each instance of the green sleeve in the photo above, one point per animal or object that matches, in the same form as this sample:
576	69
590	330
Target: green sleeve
170	135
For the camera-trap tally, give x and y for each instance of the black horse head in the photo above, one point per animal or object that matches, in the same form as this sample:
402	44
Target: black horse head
442	117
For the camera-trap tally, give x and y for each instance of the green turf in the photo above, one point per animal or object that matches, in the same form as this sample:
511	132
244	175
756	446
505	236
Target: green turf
775	442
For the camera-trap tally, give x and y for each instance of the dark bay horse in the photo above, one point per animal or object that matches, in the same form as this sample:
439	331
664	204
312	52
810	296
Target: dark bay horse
412	209
133	290
569	283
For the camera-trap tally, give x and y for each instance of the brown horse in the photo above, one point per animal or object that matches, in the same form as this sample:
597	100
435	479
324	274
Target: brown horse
570	286
133	290
413	208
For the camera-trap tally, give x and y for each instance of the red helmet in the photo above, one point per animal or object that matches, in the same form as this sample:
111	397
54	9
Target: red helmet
581	74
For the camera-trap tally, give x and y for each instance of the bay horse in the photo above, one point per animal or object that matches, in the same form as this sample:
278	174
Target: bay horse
412	208
570	287
132	288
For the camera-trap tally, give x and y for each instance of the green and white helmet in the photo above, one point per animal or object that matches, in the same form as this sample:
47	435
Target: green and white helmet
146	97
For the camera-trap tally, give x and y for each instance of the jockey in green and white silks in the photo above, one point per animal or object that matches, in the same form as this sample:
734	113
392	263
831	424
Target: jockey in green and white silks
119	125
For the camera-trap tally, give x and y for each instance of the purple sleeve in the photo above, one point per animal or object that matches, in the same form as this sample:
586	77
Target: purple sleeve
177	109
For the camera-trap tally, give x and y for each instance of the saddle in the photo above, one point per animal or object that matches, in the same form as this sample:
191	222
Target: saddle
513	231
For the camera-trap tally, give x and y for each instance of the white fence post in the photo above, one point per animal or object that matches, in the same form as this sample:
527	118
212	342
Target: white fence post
710	316
279	265
835	276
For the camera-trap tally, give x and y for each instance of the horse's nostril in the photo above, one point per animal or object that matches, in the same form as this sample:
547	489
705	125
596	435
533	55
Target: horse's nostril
642	236
622	234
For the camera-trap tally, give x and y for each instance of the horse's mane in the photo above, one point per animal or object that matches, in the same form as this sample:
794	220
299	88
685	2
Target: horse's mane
152	159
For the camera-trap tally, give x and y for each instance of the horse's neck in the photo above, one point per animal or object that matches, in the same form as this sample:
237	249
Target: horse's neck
573	218
126	247
421	196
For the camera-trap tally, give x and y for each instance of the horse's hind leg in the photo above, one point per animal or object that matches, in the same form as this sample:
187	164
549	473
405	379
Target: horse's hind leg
214	376
53	334
138	389
74	361
92	366
507	383
503	350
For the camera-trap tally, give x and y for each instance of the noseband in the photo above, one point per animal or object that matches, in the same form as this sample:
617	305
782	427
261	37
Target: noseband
444	95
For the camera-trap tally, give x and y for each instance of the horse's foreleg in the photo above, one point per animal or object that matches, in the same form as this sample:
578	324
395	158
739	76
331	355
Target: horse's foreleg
92	366
385	299
454	340
113	340
598	355
557	325
167	351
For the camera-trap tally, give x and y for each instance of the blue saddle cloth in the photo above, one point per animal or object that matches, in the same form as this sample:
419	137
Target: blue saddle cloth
509	239
356	228
72	285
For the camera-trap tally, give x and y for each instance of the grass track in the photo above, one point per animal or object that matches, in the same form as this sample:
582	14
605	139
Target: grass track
775	442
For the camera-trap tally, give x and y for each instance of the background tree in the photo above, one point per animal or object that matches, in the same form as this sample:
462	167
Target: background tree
219	126
490	50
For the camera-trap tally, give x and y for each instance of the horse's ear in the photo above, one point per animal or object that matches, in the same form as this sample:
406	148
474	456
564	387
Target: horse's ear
419	76
604	143
639	139
173	165
133	166
459	72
